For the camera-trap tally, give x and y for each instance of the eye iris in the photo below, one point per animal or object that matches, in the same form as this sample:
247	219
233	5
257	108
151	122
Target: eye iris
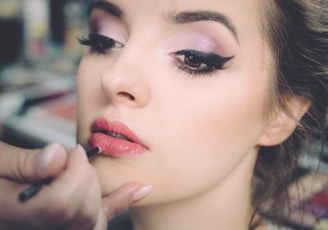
193	61
104	43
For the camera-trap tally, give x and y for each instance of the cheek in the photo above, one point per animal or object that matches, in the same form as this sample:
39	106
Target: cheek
213	131
88	96
221	114
205	137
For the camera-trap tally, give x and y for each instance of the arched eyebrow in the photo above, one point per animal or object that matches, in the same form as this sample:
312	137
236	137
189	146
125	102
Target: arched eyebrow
195	16
105	6
173	17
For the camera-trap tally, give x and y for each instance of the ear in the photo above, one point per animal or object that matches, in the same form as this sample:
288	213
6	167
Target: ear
284	121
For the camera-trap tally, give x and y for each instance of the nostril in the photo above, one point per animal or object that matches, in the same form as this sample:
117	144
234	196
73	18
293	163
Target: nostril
127	95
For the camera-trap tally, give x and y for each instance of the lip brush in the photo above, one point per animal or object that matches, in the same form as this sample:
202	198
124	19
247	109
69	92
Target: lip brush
35	188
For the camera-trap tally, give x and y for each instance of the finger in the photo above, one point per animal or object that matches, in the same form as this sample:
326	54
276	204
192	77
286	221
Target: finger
70	190
123	197
26	165
101	222
57	204
12	210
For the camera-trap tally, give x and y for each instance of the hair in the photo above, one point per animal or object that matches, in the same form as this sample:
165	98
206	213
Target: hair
297	31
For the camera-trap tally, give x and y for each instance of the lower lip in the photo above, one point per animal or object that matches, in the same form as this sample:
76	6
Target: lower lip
114	146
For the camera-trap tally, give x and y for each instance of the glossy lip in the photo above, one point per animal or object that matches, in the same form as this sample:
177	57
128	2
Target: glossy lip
115	139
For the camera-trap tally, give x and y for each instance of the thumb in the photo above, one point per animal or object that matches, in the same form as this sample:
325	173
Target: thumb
123	197
25	165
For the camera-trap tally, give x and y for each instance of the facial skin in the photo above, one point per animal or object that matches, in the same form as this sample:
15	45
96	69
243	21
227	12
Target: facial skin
202	131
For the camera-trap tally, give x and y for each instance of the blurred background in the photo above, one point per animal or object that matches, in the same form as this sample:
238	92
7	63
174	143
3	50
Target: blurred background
39	54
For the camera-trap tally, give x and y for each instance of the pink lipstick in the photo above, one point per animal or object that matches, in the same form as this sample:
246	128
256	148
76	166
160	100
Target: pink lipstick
115	139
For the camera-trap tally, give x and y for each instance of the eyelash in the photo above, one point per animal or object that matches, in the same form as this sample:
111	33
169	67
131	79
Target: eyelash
199	63
192	62
100	44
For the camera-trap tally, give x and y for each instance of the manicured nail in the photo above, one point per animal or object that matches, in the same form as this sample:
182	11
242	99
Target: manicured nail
141	193
48	154
82	151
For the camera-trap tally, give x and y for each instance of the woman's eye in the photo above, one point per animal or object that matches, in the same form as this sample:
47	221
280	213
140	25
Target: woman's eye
100	44
196	62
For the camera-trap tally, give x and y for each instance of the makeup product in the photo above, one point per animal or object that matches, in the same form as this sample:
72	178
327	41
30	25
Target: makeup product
35	188
115	138
93	151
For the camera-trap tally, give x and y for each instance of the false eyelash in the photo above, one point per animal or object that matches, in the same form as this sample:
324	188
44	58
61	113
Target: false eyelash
211	62
100	44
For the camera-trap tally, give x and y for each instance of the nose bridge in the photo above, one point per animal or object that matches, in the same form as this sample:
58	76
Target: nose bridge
124	80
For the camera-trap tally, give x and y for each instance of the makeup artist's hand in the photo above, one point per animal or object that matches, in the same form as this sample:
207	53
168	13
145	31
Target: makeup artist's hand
73	199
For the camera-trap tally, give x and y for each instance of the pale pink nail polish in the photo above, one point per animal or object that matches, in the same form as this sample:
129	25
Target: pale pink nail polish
141	193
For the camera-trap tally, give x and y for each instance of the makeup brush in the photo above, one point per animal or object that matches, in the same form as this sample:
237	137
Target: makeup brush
35	188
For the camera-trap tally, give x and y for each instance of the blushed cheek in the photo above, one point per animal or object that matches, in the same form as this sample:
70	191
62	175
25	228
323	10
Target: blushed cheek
84	103
82	129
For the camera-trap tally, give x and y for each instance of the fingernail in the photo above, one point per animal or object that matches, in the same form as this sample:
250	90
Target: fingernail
48	154
141	193
82	151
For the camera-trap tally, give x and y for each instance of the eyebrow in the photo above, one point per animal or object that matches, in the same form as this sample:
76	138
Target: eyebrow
174	17
196	16
106	6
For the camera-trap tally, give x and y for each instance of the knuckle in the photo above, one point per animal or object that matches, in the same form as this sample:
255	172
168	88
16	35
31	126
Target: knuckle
87	216
91	207
60	209
19	166
113	208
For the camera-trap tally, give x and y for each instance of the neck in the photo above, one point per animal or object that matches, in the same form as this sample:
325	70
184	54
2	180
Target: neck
225	206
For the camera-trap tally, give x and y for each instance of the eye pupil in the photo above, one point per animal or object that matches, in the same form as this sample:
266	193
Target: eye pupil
192	61
103	45
103	42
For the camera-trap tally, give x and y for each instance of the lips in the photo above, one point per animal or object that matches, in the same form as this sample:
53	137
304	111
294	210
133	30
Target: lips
115	138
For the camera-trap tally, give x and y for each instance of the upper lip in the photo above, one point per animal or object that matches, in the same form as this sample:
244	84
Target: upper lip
114	129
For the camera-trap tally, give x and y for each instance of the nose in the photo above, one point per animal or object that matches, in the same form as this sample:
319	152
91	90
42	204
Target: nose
124	82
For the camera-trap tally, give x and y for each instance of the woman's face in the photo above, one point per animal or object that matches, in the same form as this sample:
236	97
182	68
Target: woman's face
174	92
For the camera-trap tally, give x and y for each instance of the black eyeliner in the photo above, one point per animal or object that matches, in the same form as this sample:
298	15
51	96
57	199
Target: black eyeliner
99	43
216	61
196	59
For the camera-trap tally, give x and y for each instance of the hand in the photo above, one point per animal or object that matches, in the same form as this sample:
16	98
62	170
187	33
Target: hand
71	201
